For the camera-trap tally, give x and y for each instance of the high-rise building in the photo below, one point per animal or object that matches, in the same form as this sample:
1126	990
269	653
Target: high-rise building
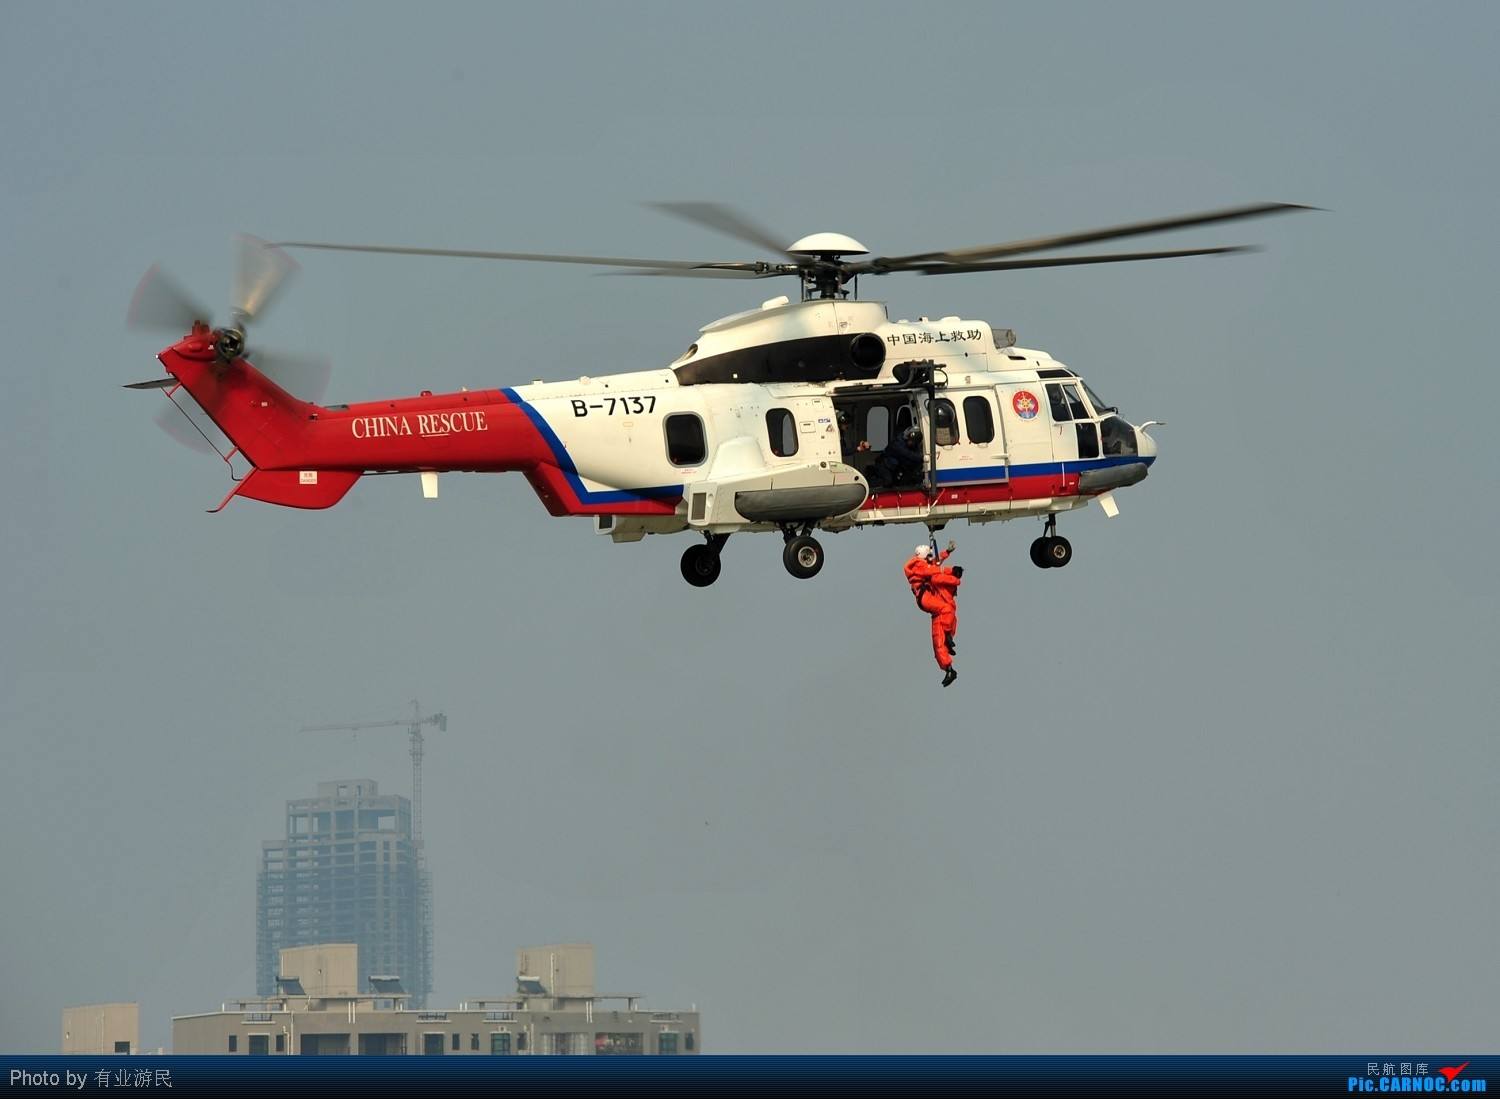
348	871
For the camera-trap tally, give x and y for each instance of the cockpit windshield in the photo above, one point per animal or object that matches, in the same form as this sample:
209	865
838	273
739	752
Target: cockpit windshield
1100	408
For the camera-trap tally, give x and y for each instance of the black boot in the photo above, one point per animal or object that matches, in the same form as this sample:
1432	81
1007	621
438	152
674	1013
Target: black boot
952	645
950	675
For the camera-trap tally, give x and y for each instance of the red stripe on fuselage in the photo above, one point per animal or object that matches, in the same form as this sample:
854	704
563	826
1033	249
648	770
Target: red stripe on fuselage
1038	487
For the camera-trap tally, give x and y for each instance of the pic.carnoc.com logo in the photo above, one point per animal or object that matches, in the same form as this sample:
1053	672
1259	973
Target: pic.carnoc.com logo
1416	1076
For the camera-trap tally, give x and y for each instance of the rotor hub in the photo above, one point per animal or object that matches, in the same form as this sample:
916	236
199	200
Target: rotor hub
827	245
231	344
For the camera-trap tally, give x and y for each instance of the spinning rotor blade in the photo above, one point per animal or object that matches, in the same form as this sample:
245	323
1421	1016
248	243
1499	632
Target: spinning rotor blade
261	270
826	273
1090	236
303	376
726	220
1065	261
531	257
159	304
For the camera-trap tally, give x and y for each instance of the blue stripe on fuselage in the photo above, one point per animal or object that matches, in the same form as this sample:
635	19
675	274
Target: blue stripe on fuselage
564	462
990	474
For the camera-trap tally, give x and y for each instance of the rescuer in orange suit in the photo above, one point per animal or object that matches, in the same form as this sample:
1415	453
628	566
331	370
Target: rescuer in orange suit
936	591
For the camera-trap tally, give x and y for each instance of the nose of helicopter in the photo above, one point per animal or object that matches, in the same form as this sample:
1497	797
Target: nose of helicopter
1145	445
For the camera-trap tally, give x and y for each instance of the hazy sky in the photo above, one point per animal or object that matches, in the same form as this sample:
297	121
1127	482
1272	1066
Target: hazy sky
1228	782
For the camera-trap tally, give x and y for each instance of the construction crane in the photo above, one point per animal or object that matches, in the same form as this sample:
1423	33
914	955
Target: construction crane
413	726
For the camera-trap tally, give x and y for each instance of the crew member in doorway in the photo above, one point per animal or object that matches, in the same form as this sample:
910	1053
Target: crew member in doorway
902	459
849	441
936	590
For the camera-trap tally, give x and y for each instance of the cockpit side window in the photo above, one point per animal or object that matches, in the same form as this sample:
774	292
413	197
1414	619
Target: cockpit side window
1058	404
1075	403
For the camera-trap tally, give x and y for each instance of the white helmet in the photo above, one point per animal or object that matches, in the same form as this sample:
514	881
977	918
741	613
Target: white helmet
923	550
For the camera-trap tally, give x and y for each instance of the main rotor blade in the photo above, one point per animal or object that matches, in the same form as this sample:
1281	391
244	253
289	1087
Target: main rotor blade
303	376
530	257
159	304
708	273
1065	261
726	220
1090	236
261	269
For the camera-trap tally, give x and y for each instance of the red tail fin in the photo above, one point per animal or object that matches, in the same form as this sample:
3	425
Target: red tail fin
255	413
265	422
306	488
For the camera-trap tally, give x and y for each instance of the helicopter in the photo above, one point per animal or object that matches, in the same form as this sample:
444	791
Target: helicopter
792	417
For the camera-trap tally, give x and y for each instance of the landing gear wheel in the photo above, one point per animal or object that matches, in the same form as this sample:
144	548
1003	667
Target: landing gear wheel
1039	553
803	557
1059	551
700	565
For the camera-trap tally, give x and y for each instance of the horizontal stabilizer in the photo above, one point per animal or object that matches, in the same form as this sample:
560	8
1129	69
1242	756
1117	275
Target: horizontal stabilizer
297	488
155	383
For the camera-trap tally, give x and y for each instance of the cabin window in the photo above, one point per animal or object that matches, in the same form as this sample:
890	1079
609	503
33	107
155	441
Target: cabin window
1058	403
781	426
944	422
686	445
979	419
878	427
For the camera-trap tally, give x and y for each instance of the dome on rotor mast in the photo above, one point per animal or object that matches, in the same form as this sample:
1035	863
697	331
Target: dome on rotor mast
828	244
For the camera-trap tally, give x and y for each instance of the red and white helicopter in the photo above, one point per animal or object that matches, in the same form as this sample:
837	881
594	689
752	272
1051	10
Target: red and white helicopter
791	417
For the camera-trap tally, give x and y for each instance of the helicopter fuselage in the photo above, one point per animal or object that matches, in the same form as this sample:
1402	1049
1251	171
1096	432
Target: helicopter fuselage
780	418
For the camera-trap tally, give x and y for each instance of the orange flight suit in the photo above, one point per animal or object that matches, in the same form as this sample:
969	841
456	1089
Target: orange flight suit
936	591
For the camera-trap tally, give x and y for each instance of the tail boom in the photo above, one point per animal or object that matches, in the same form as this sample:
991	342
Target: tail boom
308	456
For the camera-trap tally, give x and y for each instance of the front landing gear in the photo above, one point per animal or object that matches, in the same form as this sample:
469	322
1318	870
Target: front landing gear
700	564
1051	550
802	556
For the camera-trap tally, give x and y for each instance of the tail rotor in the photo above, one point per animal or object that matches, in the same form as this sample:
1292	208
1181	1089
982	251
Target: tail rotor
261	271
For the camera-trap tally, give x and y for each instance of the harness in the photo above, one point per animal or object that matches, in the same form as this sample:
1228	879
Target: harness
926	585
922	589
